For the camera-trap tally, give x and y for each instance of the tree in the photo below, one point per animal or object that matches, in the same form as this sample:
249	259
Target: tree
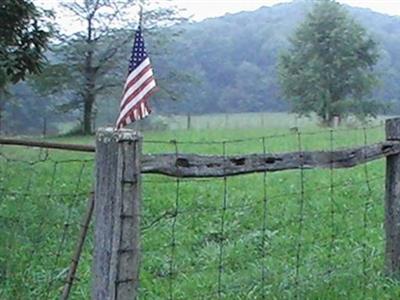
23	41
92	62
328	69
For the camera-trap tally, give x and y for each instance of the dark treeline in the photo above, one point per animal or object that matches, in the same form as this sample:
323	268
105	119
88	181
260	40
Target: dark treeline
225	64
235	59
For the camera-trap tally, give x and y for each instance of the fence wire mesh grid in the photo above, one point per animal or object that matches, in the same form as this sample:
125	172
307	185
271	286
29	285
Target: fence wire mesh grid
305	234
43	199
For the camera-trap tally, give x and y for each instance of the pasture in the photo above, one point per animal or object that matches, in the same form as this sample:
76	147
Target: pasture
305	234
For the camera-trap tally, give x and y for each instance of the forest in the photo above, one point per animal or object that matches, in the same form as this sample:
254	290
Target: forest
220	65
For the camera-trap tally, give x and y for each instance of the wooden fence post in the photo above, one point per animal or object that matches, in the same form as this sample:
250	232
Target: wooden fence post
189	122
392	202
44	129
117	209
262	120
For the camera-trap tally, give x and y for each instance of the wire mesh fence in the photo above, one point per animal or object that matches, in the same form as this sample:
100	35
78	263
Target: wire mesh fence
296	234
302	234
42	202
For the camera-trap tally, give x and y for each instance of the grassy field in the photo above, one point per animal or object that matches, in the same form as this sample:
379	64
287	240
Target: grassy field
254	120
316	234
238	120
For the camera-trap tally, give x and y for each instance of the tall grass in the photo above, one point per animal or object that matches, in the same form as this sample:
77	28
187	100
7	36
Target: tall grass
324	243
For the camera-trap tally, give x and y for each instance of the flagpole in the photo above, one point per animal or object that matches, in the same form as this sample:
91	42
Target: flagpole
140	16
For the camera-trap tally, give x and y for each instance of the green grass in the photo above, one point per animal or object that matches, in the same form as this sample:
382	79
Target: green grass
322	244
246	121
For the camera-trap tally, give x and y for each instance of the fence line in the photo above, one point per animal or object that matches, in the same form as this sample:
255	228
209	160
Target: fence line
119	162
193	165
190	121
91	148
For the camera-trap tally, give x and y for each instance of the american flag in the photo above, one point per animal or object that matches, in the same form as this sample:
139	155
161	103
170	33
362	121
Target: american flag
139	85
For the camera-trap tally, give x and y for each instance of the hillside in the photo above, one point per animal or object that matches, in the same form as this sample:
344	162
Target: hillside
234	59
231	61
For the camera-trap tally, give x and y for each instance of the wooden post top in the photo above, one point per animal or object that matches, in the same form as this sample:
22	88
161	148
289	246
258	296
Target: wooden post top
392	127
110	134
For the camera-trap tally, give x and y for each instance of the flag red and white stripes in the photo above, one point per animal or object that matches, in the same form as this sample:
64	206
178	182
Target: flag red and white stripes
139	85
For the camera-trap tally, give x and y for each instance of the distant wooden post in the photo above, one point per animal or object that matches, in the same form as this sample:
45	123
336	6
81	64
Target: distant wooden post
335	121
189	121
392	202
262	120
44	130
117	207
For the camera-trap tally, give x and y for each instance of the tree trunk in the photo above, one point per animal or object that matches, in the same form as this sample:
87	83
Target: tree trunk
1	110
3	127
90	78
89	96
325	118
1	119
87	116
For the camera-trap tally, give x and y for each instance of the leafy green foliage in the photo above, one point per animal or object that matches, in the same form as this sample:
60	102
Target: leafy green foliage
218	55
24	111
215	51
23	40
329	66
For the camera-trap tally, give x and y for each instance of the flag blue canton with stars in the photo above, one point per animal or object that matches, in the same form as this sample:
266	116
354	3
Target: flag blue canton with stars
139	53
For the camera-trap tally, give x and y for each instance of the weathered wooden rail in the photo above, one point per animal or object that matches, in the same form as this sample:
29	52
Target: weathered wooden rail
193	165
119	163
47	145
